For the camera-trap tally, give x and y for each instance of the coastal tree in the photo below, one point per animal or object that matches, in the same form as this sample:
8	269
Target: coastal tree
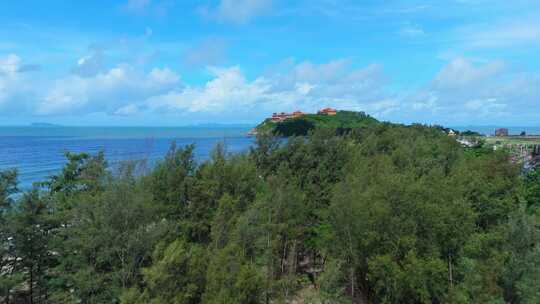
30	227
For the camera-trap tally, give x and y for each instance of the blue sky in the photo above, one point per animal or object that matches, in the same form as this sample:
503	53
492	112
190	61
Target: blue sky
168	63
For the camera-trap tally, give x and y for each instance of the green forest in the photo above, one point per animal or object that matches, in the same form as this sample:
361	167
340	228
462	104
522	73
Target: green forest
380	213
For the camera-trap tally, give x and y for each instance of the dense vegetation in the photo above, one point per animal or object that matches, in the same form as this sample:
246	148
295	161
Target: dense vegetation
343	121
382	214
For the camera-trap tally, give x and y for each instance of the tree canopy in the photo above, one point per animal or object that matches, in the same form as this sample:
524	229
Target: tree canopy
380	213
300	126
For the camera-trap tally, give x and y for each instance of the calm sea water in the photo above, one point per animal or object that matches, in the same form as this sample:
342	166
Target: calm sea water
38	152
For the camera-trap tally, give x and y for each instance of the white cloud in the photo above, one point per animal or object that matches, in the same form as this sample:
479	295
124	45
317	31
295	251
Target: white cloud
89	65
477	93
424	101
229	90
463	91
162	77
10	65
460	73
237	11
125	90
485	106
304	86
412	31
517	32
127	110
14	82
105	92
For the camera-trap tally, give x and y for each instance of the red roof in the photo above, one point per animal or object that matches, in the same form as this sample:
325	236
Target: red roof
284	115
328	110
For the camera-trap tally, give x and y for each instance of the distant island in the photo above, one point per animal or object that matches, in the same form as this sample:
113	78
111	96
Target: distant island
299	123
44	125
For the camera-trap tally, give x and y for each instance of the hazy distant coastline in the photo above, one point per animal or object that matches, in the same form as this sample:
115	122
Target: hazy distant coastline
44	125
490	130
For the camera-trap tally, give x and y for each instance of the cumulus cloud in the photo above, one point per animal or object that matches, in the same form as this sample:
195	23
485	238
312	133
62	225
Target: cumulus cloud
108	91
461	73
229	88
127	110
518	32
10	64
89	65
335	79
467	92
463	91
305	86
237	11
14	81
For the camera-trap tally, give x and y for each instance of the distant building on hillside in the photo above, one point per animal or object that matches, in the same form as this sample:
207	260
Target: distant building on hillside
281	116
277	117
502	132
298	113
327	111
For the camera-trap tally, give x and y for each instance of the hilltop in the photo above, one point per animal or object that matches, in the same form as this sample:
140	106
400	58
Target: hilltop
299	123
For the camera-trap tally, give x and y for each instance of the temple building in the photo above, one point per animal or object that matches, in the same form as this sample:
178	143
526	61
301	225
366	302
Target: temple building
281	116
327	111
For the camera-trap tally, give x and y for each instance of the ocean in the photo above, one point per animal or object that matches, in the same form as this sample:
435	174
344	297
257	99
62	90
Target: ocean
38	152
